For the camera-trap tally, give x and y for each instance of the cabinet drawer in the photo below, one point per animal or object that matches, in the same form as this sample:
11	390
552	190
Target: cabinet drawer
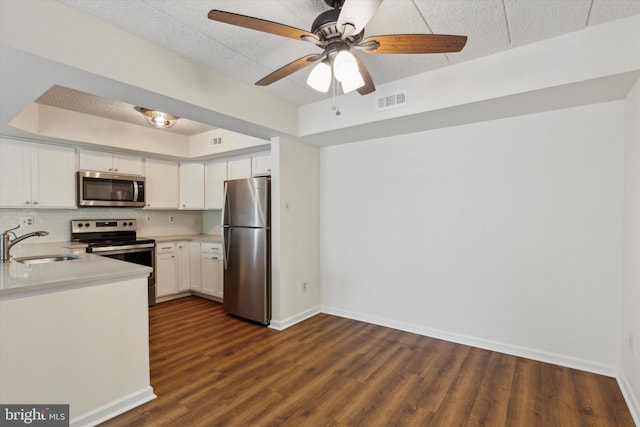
165	247
211	248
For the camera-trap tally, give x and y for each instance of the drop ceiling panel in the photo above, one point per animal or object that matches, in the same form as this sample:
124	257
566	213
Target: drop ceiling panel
609	10
483	22
534	20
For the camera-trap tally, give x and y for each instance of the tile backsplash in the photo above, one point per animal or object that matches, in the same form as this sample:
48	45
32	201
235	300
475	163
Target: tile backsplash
150	223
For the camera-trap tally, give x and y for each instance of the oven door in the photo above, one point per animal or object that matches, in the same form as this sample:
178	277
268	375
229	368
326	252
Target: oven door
143	256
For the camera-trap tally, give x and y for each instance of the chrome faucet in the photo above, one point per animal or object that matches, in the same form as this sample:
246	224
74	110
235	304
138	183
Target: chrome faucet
6	243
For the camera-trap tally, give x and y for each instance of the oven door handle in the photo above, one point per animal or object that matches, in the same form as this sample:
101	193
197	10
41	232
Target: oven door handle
119	248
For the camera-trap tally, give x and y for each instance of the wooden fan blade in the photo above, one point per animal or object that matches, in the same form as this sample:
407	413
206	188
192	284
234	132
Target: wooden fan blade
289	69
261	25
368	81
415	43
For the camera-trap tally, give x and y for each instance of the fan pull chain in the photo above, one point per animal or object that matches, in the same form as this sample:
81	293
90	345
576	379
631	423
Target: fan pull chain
334	90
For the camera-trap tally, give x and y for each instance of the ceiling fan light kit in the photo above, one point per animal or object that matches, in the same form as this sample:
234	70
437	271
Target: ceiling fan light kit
336	32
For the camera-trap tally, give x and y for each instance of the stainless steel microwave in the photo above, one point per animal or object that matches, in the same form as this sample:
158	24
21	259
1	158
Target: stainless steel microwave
110	189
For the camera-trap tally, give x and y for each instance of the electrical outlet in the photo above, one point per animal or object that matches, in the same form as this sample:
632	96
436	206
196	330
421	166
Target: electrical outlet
26	221
630	343
305	286
171	219
148	218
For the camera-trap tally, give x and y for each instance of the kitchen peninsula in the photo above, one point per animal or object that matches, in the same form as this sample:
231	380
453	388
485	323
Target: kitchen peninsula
74	332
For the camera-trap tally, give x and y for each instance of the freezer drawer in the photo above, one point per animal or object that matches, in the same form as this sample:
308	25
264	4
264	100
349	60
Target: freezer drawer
247	274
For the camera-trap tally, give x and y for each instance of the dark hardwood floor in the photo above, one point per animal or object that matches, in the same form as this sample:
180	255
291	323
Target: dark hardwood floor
210	369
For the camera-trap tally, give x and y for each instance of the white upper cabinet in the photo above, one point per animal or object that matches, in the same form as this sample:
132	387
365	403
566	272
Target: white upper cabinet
191	185
239	168
215	173
162	184
103	161
261	164
36	175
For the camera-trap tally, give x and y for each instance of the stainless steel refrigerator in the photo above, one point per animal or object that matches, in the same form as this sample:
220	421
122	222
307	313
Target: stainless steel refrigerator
246	226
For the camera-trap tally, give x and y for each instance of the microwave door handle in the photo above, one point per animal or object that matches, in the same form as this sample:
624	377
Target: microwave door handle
135	191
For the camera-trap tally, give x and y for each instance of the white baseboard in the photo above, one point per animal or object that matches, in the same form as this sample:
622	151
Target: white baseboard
529	353
280	325
629	396
114	408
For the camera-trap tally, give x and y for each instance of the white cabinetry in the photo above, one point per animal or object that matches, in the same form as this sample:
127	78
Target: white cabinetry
261	164
239	168
183	267
215	173
191	185
194	266
212	269
166	269
161	184
36	175
110	162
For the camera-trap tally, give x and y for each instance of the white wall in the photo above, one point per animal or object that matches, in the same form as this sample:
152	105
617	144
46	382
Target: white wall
631	290
504	234
296	231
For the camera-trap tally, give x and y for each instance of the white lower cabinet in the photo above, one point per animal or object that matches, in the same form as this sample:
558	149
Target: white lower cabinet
212	269
183	266
194	266
166	269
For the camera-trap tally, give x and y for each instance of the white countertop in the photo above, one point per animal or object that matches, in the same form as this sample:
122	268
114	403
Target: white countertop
19	280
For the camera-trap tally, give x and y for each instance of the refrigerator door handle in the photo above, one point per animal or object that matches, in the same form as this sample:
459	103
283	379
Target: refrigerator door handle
225	204
226	239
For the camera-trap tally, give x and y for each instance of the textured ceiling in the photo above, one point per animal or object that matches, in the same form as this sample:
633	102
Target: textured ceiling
182	26
80	102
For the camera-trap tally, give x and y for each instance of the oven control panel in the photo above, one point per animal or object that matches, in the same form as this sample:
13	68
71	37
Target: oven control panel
102	225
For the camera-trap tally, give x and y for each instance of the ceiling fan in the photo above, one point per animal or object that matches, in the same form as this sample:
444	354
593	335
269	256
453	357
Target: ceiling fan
337	31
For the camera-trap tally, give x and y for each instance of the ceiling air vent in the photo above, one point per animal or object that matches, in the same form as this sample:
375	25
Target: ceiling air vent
213	142
394	100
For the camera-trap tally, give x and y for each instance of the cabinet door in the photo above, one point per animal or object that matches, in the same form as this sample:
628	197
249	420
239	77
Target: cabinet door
191	185
215	173
261	165
161	184
184	270
123	163
194	266
239	168
53	177
210	267
15	174
96	161
166	271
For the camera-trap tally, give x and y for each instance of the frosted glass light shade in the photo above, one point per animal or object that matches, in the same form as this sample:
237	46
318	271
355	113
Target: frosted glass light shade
345	66
320	77
355	82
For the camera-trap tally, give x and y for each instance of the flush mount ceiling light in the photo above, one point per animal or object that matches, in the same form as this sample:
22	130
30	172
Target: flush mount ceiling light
158	119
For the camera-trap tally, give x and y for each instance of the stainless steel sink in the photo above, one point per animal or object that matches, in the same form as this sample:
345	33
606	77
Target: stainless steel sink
42	259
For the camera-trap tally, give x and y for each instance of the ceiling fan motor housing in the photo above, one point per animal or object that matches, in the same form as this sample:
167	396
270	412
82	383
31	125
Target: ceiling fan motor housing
326	28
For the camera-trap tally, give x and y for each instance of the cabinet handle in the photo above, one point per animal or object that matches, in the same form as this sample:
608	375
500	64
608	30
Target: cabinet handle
35	203
115	170
27	203
110	169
